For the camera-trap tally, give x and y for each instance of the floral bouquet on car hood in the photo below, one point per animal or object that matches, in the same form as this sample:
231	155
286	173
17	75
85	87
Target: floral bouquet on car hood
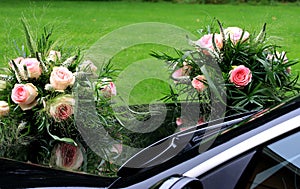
242	71
37	106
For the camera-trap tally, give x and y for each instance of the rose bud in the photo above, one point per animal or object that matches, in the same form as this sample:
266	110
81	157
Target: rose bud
4	108
54	56
109	90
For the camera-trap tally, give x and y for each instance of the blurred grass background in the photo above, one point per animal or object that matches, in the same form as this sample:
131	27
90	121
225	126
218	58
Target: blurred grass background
81	23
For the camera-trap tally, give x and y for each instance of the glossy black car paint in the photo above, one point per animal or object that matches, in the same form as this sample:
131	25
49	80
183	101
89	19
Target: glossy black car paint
22	175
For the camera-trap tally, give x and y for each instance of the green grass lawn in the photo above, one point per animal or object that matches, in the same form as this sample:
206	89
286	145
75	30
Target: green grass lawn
81	24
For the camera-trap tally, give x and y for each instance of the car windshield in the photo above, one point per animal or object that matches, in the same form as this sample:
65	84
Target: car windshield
182	144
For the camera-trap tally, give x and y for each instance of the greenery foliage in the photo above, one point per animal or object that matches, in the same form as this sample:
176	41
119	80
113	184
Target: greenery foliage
270	79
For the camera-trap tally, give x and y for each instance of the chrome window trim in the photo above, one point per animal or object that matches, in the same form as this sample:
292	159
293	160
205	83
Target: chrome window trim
244	146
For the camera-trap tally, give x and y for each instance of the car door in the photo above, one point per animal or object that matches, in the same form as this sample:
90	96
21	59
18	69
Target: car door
273	165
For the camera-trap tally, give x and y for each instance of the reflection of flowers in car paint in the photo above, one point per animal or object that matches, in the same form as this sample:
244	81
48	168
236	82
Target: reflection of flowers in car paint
183	125
67	156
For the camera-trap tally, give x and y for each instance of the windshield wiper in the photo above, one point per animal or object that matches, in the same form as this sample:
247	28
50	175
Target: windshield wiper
178	143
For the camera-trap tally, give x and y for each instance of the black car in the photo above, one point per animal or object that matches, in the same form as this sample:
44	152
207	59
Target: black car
251	150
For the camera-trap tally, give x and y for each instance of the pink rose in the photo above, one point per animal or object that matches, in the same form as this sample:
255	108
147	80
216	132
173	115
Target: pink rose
240	76
4	108
182	74
109	90
62	107
235	34
198	83
33	67
61	78
67	156
179	121
24	95
18	60
206	42
54	56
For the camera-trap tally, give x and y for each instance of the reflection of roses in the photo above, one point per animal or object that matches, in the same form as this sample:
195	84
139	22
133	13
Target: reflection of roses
198	84
61	78
32	66
240	76
62	107
235	34
4	108
67	156
206	41
24	95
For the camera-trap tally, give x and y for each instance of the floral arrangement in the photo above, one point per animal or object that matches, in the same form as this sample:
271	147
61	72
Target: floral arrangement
243	71
37	106
40	88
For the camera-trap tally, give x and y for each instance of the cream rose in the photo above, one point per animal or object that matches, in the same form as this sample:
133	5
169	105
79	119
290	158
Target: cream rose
24	95
4	108
62	107
61	78
198	83
235	34
240	76
33	67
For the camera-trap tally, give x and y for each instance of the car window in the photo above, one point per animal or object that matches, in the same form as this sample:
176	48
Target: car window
278	165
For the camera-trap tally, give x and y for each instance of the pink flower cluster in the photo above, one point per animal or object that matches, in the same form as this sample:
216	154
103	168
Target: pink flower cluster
182	125
235	34
25	94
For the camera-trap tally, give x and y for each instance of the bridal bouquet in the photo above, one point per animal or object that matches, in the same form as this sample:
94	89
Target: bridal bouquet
241	70
37	105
